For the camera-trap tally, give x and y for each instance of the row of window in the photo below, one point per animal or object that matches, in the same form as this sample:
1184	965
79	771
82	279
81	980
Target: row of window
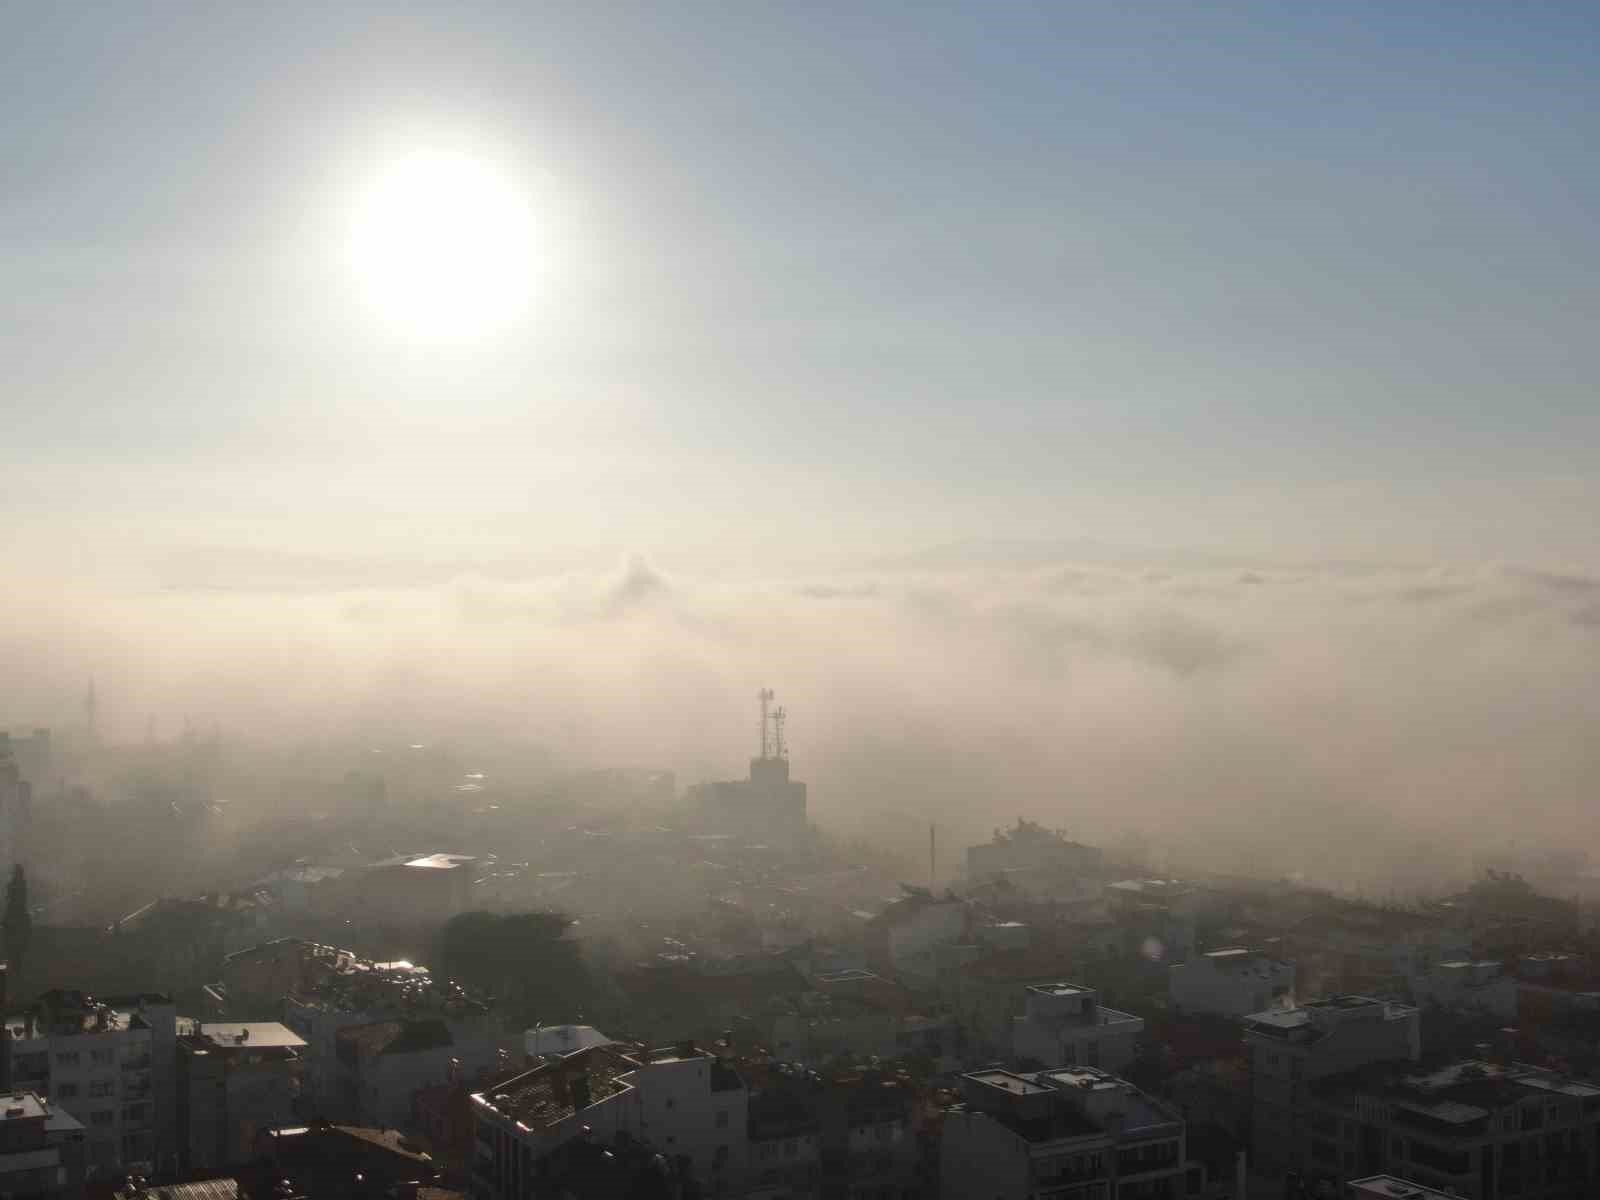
790	1148
97	1058
97	1088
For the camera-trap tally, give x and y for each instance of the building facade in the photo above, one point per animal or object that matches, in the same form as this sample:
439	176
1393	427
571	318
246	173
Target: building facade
234	1080
1072	1134
1478	1130
1230	982
41	1148
1065	1025
1292	1048
107	1063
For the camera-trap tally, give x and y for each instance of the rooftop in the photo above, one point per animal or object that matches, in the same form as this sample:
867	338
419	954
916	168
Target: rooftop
441	862
396	1037
1392	1187
1314	1017
1008	1081
1454	1095
1057	989
256	1034
21	1106
203	1189
542	1097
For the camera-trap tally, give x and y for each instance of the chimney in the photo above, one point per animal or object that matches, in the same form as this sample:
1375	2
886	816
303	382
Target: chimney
686	1048
580	1092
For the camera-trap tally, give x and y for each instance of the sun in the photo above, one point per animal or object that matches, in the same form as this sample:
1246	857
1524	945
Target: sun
441	246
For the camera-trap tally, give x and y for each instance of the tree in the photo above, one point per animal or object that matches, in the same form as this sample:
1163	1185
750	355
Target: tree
18	922
523	959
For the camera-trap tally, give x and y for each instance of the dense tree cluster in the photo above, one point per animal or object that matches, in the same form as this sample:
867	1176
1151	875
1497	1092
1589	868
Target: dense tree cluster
523	959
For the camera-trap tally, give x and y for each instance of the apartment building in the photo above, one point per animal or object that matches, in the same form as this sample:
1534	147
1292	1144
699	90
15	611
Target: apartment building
1467	989
1290	1048
234	1080
1064	1025
41	1148
1070	1134
687	1103
334	992
1479	1130
1234	981
107	1063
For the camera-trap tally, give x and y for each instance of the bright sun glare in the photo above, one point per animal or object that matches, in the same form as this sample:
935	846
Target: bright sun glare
441	246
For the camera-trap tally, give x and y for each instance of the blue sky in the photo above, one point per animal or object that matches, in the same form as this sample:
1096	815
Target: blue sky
1309	279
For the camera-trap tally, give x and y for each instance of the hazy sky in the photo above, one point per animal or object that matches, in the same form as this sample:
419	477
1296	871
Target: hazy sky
810	288
811	279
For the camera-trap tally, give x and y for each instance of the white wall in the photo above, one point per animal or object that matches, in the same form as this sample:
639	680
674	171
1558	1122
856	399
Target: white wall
979	1157
1201	985
913	937
680	1114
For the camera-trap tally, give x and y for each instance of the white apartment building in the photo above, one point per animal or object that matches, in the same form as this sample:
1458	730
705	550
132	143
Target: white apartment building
110	1065
1291	1048
558	1041
41	1148
235	1079
906	934
1468	989
1071	1134
1065	1025
1230	982
681	1100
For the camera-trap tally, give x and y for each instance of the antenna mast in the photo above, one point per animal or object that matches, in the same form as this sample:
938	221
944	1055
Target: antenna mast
779	716
765	696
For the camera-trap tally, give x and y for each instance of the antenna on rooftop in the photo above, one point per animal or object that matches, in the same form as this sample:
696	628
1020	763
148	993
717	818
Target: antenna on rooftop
779	716
765	696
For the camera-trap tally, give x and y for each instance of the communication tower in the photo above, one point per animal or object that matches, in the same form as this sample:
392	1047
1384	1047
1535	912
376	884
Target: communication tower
765	696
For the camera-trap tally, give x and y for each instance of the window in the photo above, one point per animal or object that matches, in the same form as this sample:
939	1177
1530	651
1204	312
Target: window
722	1118
67	1058
67	1091
101	1058
790	1147
103	1087
102	1116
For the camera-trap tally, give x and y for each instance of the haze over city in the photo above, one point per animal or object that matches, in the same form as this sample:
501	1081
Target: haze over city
1172	425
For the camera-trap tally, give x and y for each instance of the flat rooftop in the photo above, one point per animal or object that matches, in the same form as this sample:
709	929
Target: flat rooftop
542	1097
252	1034
20	1106
440	862
1392	1187
848	975
1058	989
1006	1081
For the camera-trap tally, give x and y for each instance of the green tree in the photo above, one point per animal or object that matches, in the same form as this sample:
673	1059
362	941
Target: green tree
523	959
18	921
